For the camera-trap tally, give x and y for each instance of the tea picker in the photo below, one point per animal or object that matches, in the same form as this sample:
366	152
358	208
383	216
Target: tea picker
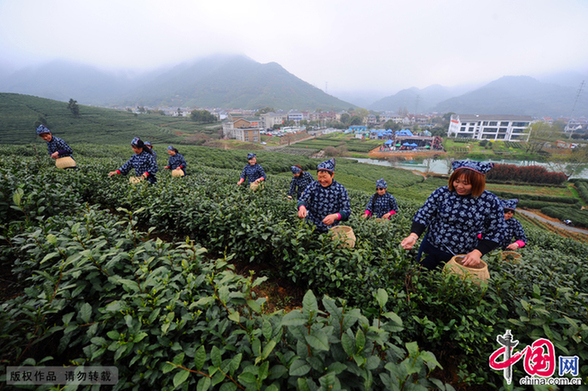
300	180
150	146
142	161
58	149
176	162
382	204
252	171
514	227
453	215
325	202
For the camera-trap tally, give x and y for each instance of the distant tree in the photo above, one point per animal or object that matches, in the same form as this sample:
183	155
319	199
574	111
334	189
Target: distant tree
179	112
73	107
361	112
265	110
440	131
355	120
345	118
203	116
447	116
303	122
141	109
391	125
541	133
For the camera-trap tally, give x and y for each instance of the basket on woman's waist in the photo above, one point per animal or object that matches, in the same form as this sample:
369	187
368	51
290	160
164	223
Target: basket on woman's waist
477	273
343	233
65	162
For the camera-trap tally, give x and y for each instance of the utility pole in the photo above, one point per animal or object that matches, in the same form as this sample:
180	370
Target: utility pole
574	108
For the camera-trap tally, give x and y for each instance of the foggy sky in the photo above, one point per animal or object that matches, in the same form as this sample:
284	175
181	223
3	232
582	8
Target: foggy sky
383	45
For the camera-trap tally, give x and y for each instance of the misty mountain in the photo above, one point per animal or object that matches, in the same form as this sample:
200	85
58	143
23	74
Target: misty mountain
62	80
518	95
566	79
229	81
414	99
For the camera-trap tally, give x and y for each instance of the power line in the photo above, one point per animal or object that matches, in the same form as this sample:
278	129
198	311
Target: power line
574	107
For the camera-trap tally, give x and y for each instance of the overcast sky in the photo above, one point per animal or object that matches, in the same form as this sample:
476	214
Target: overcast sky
383	45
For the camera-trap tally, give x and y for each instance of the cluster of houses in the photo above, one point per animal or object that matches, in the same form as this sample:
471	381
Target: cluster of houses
243	125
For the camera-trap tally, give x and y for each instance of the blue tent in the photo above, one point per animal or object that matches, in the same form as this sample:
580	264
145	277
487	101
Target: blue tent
413	145
404	132
406	144
388	142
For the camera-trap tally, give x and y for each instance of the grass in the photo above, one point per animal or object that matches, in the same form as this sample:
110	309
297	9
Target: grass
533	190
19	115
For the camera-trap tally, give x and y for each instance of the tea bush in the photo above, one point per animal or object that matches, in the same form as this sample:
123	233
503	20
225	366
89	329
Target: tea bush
203	324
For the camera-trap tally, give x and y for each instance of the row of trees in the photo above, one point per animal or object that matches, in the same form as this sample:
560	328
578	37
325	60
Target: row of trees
526	174
203	116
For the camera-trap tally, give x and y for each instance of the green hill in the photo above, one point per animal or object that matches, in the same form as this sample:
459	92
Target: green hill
19	115
232	81
226	81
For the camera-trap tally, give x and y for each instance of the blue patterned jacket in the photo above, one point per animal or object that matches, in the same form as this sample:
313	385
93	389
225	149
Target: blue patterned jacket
454	221
298	184
253	172
322	201
176	161
58	145
383	205
513	229
143	162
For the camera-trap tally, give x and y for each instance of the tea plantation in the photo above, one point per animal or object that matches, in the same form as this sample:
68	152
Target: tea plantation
100	272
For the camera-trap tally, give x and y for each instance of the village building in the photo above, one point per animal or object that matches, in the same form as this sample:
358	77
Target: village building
490	127
268	120
242	129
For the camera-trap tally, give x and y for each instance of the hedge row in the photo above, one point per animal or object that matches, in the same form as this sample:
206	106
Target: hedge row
578	217
526	174
534	197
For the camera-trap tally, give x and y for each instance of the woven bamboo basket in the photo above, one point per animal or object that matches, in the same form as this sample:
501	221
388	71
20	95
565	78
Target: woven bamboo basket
478	273
135	179
256	185
178	172
511	256
345	234
65	162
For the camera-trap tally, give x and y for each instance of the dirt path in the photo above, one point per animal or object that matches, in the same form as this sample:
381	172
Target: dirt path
553	222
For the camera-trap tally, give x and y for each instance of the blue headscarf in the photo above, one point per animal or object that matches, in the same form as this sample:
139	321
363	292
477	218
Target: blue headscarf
381	183
509	204
295	170
42	129
148	143
250	156
479	167
170	147
327	165
135	141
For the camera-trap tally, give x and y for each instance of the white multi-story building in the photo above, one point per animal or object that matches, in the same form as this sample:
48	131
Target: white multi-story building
270	119
490	127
